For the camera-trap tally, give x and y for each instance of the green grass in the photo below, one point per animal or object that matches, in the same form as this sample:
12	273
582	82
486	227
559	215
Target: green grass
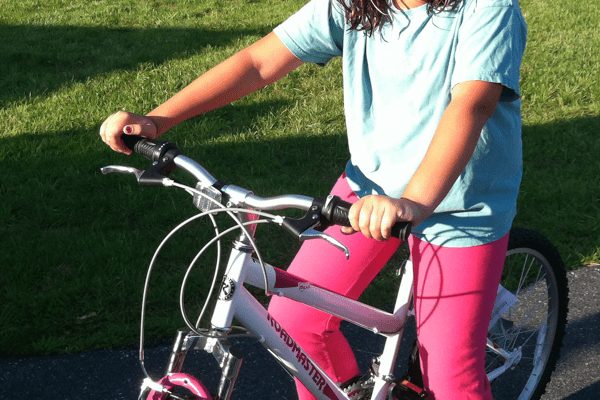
74	245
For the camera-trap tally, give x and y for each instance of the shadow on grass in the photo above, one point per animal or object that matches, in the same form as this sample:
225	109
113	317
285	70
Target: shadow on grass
39	59
560	192
76	244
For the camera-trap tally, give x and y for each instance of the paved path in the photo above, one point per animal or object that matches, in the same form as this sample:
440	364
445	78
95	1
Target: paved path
115	374
577	375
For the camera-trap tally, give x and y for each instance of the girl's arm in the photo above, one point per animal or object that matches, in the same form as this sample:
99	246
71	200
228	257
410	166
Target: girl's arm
453	144
245	72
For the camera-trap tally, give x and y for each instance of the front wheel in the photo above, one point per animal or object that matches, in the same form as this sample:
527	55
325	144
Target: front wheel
526	340
180	386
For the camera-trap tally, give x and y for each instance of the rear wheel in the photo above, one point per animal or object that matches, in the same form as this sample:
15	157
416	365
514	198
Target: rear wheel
532	330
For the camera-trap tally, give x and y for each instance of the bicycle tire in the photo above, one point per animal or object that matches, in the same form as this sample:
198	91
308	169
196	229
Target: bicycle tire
191	386
535	273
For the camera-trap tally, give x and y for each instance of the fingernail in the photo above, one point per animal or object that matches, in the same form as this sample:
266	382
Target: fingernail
127	129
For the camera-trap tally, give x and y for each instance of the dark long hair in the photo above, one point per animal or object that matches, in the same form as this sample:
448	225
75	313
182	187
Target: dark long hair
369	15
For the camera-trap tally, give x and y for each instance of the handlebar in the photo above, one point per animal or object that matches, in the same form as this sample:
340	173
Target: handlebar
166	157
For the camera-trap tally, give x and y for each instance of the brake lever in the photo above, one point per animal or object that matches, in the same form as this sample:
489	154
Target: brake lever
120	169
152	176
312	233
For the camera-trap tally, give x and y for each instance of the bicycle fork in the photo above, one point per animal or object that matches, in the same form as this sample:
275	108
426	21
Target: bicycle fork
228	356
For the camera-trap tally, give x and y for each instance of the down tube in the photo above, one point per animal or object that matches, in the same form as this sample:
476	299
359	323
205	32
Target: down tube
283	347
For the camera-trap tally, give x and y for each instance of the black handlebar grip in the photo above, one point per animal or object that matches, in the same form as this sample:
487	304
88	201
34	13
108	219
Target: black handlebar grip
401	230
151	149
130	141
339	213
339	216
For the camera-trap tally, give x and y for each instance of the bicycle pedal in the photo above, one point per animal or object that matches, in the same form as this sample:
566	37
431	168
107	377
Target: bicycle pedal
358	388
406	390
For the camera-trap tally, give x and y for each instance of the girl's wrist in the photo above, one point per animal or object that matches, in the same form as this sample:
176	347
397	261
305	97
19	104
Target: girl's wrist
416	211
161	123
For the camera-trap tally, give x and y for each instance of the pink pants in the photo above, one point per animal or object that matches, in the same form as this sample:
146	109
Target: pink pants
454	293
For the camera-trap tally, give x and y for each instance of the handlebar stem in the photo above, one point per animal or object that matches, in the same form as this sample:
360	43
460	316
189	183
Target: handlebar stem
237	195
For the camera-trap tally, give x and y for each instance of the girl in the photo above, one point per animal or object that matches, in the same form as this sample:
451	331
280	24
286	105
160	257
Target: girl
431	98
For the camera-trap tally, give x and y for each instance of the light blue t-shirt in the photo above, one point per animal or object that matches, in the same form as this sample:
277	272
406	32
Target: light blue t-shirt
397	84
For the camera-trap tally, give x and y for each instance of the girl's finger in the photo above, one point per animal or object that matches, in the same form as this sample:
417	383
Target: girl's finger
386	226
375	224
133	129
347	230
364	220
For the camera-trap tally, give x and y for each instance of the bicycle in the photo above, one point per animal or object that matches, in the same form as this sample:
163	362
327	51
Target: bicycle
525	333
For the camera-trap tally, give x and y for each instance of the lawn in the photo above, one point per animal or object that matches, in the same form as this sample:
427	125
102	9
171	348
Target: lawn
75	245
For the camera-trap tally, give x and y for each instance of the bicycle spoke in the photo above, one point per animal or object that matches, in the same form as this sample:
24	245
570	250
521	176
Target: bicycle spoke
524	274
531	312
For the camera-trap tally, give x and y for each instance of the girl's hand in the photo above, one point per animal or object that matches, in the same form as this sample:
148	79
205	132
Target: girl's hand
375	215
131	124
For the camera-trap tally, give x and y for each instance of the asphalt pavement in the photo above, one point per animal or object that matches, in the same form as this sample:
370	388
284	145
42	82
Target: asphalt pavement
115	374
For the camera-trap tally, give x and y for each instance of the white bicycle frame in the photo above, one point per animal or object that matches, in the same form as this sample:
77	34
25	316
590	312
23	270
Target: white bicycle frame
236	302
